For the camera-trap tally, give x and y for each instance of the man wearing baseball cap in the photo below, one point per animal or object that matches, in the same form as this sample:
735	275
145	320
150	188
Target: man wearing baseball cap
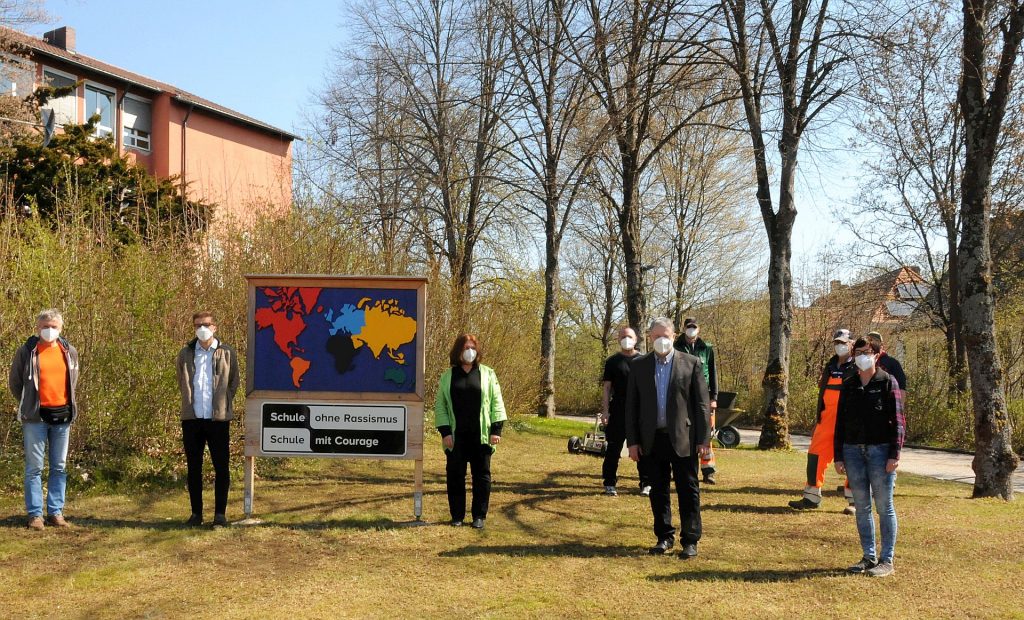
889	363
820	453
690	342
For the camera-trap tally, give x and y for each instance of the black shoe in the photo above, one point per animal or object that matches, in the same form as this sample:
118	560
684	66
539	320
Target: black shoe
456	523
220	520
194	521
662	546
709	478
689	551
478	524
803	504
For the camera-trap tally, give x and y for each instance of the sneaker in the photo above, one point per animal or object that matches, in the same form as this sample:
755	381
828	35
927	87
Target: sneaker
610	490
850	510
194	521
456	523
709	478
803	504
35	523
57	520
882	569
219	520
865	565
645	490
478	524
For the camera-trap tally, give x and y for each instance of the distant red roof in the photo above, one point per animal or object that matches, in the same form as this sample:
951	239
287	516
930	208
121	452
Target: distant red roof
40	47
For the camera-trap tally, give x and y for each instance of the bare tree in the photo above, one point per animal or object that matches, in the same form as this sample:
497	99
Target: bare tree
446	62
789	58
908	208
984	93
552	145
637	54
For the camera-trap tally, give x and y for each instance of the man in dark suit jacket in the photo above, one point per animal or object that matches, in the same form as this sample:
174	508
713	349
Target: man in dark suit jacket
668	422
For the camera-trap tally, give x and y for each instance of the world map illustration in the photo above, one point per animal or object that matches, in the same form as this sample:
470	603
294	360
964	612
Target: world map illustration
335	339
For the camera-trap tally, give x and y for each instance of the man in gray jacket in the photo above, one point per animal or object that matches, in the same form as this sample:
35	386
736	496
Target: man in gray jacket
208	379
668	422
43	376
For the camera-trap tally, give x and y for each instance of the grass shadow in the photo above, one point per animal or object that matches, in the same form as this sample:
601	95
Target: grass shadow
763	510
573	550
86	521
751	576
753	491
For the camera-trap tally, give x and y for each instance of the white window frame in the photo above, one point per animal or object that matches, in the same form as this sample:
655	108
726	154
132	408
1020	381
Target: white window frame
124	130
64	74
102	131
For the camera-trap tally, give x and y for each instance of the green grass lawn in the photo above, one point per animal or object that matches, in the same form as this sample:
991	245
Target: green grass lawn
334	544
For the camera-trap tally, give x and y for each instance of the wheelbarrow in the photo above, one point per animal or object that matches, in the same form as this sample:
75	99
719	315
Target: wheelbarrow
593	442
727	435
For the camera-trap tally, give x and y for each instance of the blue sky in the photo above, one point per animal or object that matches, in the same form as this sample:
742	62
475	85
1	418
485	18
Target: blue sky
259	57
265	58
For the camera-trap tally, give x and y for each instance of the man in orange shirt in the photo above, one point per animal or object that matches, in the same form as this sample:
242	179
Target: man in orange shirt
42	379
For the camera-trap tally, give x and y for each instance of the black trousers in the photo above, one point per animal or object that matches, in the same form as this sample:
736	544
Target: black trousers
196	434
615	436
478	457
665	465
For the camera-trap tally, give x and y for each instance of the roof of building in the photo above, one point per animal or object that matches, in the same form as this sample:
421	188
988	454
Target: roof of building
41	47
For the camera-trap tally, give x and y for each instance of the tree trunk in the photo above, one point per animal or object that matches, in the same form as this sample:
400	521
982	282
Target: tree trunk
957	367
548	320
775	424
983	105
629	225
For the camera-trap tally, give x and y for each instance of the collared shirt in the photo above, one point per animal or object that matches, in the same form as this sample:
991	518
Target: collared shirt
202	382
662	377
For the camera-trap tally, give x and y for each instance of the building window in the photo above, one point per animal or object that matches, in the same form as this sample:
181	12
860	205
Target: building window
137	117
16	78
65	108
101	102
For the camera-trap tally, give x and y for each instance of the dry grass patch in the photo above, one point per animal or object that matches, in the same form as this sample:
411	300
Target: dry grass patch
335	544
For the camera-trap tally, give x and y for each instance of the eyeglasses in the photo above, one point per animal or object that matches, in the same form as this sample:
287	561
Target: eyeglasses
864	351
198	325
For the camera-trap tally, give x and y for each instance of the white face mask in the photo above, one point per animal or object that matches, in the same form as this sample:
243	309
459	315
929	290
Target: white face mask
842	350
865	362
49	334
662	345
691	332
469	355
204	333
627	343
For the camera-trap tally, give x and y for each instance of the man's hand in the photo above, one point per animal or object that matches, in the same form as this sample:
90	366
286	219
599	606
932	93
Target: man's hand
634	453
604	418
495	439
891	465
840	468
448	442
703	450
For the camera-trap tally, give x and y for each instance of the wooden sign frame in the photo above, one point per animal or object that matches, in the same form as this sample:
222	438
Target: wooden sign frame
411	401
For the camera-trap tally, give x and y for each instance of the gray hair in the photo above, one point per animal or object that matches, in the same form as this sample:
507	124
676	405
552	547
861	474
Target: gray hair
662	321
51	314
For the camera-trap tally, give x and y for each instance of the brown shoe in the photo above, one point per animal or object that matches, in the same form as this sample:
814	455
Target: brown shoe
35	523
57	521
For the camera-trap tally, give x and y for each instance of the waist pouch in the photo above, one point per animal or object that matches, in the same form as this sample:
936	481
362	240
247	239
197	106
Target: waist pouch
55	415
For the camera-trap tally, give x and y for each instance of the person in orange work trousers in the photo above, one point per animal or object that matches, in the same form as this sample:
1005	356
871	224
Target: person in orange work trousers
820	453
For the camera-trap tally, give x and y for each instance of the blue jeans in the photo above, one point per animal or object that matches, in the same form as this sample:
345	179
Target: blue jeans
865	468
37	435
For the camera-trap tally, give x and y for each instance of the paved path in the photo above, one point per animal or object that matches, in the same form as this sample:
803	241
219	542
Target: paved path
938	464
933	463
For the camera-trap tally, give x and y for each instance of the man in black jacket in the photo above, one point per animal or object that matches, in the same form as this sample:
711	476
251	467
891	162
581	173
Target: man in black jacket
668	421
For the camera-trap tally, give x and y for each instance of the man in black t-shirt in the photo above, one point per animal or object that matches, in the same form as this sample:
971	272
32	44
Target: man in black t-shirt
613	408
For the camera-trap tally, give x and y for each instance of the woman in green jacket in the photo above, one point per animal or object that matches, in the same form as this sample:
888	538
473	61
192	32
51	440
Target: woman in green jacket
469	414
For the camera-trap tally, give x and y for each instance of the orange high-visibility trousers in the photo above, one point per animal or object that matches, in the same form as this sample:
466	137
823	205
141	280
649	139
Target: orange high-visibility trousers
821	452
708	463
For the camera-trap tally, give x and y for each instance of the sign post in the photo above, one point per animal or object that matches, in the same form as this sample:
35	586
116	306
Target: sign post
334	369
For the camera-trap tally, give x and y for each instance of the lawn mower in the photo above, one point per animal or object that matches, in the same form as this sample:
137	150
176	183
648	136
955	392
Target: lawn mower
593	442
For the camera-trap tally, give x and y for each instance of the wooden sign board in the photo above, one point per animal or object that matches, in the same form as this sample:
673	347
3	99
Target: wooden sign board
334	368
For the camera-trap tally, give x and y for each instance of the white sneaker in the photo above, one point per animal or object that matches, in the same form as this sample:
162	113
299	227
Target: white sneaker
645	490
850	510
610	491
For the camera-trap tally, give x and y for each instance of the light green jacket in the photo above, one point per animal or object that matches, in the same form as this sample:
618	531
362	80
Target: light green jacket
492	407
